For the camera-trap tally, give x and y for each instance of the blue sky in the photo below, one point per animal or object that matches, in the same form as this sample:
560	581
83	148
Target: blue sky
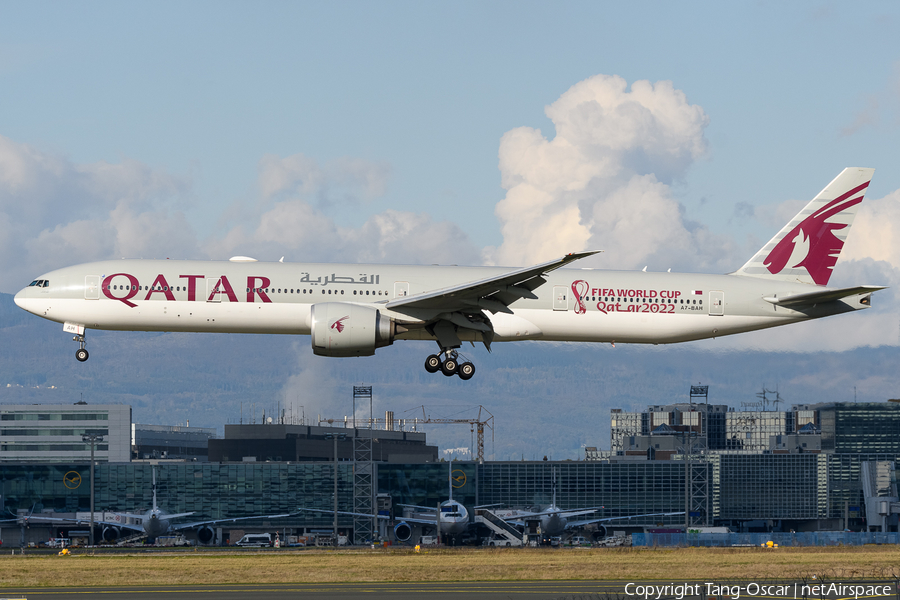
187	129
429	132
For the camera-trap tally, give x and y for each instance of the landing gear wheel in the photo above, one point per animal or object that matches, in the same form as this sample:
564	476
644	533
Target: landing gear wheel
466	370
449	367
81	354
433	363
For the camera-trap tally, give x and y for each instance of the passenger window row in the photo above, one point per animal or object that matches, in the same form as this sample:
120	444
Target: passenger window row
650	300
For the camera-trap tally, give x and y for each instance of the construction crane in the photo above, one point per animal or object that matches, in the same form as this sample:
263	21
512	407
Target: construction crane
477	423
482	419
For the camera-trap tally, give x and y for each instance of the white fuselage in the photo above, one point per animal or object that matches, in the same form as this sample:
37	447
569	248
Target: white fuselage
588	305
454	518
155	523
553	519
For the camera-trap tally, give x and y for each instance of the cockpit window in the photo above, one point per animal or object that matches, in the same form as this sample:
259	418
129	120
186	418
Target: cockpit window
46	283
33	283
40	283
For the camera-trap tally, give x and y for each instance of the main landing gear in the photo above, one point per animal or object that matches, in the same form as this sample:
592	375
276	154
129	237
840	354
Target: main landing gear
81	354
450	365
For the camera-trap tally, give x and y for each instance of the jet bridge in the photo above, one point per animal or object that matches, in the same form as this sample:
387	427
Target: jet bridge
880	492
505	533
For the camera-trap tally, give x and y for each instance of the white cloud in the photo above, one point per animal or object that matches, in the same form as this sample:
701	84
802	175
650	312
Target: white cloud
603	180
348	178
875	231
55	212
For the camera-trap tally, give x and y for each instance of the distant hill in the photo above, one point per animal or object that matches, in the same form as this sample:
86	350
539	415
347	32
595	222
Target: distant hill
547	399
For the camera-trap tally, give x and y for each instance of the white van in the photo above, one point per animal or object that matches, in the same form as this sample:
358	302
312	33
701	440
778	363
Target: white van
258	540
579	540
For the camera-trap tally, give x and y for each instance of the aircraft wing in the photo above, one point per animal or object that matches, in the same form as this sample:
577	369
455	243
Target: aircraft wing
176	516
589	521
83	522
461	306
431	508
180	526
824	295
385	517
342	512
494	293
562	513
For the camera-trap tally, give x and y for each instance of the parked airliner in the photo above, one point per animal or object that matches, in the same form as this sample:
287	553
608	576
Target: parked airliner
354	309
452	519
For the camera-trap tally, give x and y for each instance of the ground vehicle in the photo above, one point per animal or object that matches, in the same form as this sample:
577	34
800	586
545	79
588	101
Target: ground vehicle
579	540
58	542
172	540
258	540
498	541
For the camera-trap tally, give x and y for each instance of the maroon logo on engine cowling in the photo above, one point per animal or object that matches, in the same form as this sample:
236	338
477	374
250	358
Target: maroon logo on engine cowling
338	325
812	243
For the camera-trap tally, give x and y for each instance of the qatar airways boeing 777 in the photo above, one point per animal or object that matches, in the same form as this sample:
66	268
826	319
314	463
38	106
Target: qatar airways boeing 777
354	309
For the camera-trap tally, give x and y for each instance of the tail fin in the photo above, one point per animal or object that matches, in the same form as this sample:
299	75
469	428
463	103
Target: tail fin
807	248
154	488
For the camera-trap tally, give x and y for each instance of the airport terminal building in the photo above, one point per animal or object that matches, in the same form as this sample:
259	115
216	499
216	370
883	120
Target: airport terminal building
821	467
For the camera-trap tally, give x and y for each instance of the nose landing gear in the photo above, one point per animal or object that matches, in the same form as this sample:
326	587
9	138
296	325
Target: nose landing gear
81	354
450	365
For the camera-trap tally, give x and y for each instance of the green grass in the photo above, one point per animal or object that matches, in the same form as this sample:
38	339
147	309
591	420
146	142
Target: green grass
82	569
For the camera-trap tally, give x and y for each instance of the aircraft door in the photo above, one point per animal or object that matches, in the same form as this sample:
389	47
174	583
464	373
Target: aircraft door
717	303
92	287
213	293
560	297
401	289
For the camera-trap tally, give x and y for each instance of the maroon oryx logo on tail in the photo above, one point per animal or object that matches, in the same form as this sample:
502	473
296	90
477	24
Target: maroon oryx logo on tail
338	324
812	244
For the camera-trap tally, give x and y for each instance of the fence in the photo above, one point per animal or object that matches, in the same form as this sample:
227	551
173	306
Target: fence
806	538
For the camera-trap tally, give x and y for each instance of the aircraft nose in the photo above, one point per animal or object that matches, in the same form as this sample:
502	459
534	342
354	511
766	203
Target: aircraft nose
20	298
26	301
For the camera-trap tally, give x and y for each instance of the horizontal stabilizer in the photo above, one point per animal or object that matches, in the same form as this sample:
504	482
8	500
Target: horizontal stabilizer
824	295
176	515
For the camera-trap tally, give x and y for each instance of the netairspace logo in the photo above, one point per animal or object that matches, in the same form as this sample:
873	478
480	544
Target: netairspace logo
795	591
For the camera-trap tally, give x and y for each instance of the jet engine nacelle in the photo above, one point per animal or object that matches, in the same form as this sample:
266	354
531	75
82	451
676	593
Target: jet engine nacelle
206	535
599	533
344	329
111	534
402	531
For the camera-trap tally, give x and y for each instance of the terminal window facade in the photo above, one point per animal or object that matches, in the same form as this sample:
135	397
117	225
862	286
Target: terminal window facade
622	489
864	427
771	486
427	484
210	490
